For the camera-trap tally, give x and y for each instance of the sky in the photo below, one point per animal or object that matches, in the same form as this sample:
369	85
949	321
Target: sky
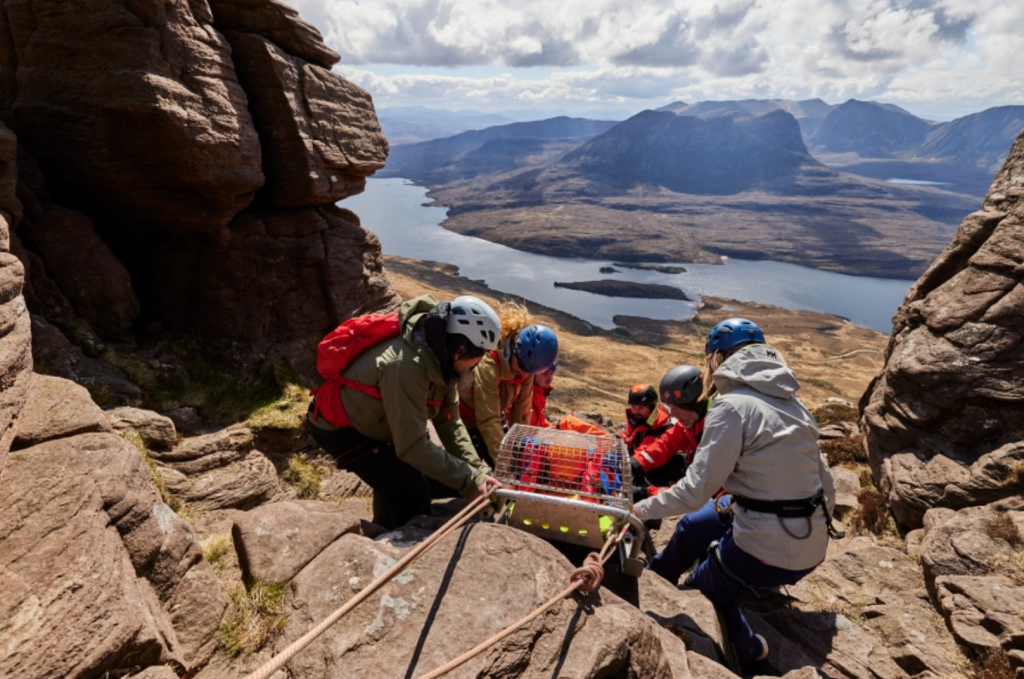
937	58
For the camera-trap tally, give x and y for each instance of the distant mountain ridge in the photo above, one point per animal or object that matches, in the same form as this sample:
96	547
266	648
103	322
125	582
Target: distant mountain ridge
722	152
493	149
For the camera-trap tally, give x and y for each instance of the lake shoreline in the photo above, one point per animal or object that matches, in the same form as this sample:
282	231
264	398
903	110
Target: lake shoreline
394	210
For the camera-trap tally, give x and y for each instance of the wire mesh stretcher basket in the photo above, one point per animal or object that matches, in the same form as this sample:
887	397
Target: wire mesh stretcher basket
566	486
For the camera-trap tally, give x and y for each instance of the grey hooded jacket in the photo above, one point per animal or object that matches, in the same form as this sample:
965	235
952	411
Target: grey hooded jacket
759	441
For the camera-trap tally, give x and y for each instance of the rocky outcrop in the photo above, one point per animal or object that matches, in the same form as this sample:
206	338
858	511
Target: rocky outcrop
154	428
56	408
141	163
943	421
318	145
448	604
218	471
15	324
974	567
151	127
95	568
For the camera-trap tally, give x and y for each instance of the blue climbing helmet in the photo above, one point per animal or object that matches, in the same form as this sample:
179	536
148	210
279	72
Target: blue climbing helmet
730	332
536	348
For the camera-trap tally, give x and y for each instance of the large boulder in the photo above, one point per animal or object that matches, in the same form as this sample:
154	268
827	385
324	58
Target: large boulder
973	563
275	541
943	421
218	471
152	127
56	408
866	612
95	568
283	275
154	428
320	136
472	585
686	613
15	328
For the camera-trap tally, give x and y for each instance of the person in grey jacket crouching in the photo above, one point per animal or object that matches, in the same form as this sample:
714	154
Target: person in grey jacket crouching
759	496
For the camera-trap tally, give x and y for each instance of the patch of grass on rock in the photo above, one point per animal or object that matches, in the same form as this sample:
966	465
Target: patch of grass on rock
217	551
872	515
992	665
848	451
180	507
220	396
304	475
1002	527
1016	477
257	617
834	413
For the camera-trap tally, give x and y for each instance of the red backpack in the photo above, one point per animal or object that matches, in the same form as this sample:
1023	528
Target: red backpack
337	351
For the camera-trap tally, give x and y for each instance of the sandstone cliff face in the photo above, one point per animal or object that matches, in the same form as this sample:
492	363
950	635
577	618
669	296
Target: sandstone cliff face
182	176
15	324
945	419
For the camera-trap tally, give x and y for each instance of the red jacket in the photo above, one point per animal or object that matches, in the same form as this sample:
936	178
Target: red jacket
651	454
645	434
540	402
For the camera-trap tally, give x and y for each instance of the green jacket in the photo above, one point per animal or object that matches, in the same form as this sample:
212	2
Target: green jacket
409	377
495	391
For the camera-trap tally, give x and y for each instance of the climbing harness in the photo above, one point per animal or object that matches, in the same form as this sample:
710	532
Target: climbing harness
587	503
793	509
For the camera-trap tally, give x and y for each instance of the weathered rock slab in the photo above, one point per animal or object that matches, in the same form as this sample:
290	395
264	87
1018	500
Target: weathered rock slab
55	408
444	606
95	567
275	541
154	428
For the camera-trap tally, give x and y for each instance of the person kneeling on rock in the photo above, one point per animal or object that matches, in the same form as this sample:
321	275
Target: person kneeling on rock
759	455
500	392
385	377
662	446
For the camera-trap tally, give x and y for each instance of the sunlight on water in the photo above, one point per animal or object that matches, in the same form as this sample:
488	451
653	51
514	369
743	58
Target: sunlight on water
394	210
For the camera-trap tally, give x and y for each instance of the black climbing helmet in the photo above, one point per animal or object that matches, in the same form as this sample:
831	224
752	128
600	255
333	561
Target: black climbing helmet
643	395
682	386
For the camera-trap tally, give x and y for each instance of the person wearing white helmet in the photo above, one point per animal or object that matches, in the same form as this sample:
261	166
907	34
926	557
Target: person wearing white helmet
385	378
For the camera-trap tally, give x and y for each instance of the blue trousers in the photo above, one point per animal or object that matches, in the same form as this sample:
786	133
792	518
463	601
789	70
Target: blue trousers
694	534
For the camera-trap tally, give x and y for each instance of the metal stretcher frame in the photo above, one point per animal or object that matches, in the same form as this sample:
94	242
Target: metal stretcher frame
552	500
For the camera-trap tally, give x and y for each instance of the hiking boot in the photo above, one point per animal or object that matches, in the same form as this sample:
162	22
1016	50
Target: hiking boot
759	667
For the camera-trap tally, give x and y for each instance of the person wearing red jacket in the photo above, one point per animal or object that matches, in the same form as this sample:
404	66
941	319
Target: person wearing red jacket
660	462
541	389
646	419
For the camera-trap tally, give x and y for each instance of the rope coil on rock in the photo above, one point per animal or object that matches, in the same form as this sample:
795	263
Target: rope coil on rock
589	575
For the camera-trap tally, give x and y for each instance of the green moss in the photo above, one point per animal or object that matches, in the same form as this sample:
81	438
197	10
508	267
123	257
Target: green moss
270	398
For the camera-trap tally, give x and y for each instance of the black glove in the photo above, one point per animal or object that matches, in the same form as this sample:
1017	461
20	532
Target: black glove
637	472
639	493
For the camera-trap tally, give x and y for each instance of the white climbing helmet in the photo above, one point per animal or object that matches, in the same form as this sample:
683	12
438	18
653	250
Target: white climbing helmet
473	318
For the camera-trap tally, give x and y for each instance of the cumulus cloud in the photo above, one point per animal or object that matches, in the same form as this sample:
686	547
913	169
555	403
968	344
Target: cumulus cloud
594	51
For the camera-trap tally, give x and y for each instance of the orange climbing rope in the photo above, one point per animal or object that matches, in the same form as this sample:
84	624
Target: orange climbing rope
585	579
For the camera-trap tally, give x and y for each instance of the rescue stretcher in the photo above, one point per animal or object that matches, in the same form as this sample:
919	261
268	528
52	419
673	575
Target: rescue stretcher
569	487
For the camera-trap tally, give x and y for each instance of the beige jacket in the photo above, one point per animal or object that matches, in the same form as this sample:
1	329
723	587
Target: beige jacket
496	390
